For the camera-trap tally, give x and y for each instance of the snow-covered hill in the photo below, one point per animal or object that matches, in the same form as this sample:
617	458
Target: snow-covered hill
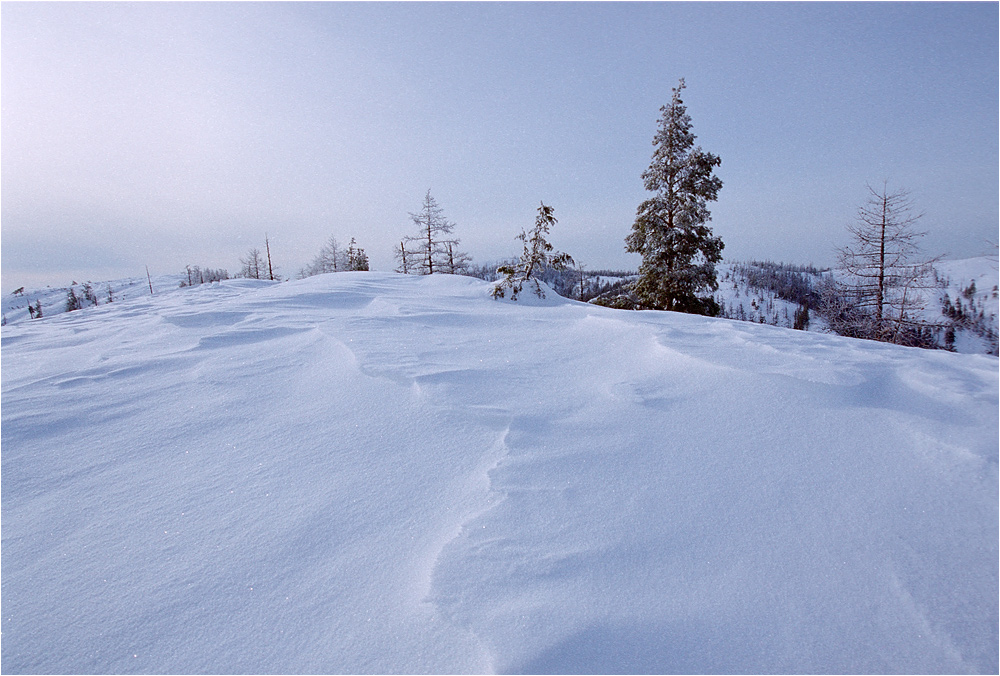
970	287
964	297
366	472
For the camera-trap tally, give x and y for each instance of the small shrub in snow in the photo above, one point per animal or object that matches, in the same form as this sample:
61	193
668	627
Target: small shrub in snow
357	259
538	254
88	293
72	301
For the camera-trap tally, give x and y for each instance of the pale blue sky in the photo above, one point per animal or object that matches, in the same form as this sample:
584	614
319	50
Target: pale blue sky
166	134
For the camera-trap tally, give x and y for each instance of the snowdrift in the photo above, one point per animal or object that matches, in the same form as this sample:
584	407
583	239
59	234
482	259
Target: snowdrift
374	473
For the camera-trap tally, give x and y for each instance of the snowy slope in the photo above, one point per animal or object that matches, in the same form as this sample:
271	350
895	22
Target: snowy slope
740	300
975	333
376	473
53	299
973	283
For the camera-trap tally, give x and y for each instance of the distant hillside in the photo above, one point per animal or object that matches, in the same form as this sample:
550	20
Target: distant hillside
770	293
965	302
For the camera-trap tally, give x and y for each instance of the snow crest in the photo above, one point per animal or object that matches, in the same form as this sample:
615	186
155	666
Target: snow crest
366	472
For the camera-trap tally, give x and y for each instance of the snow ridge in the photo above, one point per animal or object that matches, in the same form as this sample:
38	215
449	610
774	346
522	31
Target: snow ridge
366	472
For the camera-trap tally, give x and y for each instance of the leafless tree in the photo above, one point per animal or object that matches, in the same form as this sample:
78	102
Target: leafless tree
433	249
270	268
404	259
329	259
252	265
455	261
335	258
884	278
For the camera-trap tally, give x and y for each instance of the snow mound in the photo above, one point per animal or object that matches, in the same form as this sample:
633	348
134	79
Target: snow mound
534	292
377	473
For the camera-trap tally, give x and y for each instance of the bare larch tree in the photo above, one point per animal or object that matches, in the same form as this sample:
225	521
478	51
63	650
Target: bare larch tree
884	278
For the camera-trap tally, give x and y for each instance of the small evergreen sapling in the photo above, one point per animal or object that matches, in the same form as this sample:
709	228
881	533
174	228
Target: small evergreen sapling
335	258
538	255
357	259
72	301
88	294
801	317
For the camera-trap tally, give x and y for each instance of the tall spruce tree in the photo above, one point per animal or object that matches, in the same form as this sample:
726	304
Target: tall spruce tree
678	249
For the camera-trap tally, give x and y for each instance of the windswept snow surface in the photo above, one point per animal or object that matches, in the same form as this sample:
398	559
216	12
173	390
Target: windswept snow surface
366	472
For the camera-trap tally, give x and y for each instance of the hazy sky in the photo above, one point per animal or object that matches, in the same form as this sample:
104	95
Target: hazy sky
166	134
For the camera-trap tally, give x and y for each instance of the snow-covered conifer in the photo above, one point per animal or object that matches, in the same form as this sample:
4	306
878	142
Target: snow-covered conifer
88	293
537	255
678	249
72	301
357	259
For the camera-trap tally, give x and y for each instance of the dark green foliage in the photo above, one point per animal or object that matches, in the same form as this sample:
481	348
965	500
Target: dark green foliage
88	294
357	259
565	282
801	318
970	290
619	301
72	301
971	317
679	251
604	285
949	338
